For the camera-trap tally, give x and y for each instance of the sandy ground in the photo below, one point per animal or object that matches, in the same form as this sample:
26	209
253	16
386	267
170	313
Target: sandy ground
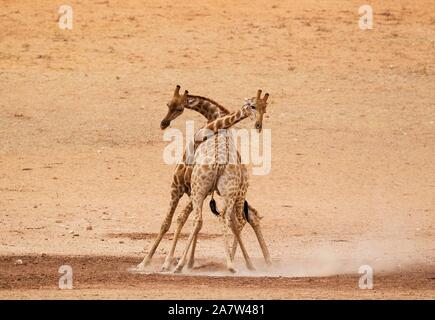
352	116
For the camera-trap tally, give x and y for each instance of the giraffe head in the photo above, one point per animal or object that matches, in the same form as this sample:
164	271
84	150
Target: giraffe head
260	109
175	107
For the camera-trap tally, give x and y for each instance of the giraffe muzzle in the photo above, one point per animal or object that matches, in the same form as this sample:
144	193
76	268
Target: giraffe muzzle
164	124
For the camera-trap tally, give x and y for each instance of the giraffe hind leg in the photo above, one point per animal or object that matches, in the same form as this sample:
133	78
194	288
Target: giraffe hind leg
191	260
234	248
237	227
235	242
253	220
226	220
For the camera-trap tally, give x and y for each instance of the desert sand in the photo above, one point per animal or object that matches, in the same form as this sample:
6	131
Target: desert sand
352	117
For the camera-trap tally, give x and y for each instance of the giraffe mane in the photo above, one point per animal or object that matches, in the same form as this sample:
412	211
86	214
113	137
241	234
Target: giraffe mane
222	108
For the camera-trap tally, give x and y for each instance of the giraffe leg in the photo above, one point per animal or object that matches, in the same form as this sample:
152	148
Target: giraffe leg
226	220
181	220
254	221
236	227
197	203
176	194
191	260
262	243
235	242
234	248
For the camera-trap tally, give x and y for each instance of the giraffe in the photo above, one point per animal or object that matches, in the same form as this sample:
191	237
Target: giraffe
223	173
251	215
181	178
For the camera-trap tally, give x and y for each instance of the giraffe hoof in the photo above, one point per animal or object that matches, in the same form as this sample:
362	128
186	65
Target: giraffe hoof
178	270
140	266
251	268
145	262
232	270
164	268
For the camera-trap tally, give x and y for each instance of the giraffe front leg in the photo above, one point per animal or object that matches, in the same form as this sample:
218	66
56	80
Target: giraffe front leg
181	220
197	224
176	194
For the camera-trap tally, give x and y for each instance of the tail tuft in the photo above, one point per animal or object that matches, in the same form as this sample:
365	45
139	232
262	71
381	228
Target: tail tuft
246	209
213	207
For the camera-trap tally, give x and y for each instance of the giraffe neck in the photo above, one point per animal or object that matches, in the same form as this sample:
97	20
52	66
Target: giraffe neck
210	109
228	120
224	122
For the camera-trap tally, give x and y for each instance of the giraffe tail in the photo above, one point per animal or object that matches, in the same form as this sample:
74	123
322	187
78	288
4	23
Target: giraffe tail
246	209
213	207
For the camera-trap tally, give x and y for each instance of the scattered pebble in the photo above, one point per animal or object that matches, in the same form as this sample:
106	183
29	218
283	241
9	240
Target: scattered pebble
19	261
89	228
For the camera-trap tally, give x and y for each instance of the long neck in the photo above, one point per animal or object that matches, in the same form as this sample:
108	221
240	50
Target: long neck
207	107
227	121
